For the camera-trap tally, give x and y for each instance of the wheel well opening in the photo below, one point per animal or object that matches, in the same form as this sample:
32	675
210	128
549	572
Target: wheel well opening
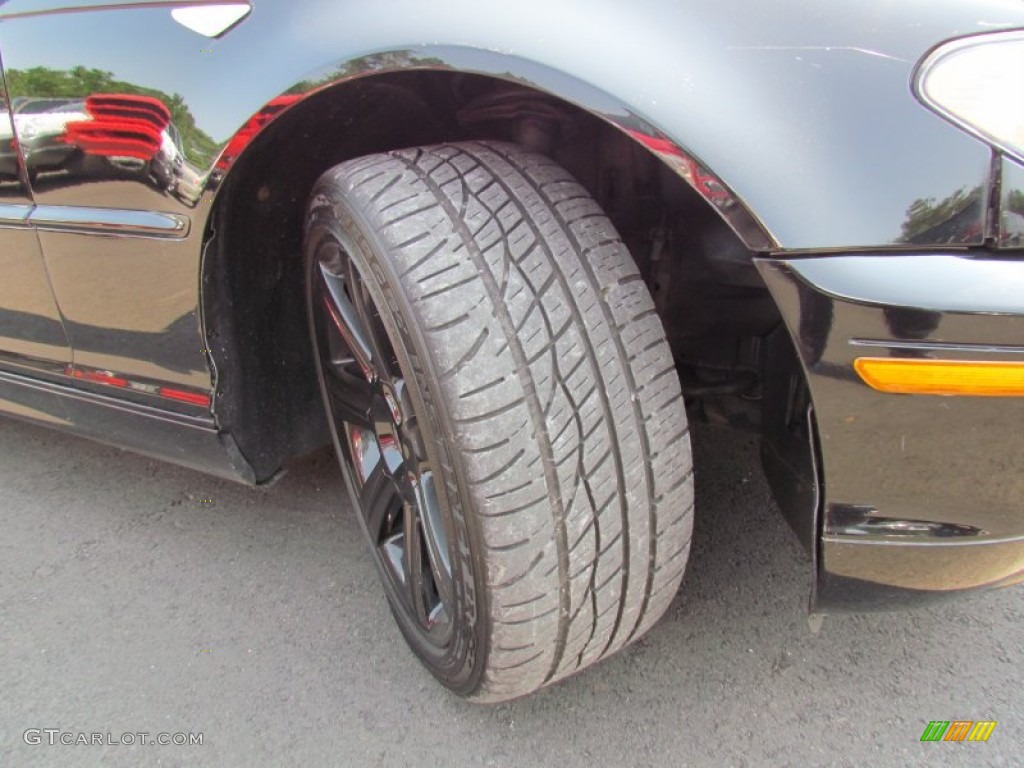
715	308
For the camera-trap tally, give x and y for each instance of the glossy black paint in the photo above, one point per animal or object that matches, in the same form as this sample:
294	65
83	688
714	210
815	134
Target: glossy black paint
190	441
31	328
922	494
789	444
827	85
795	122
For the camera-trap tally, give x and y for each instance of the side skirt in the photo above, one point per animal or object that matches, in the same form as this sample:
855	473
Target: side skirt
188	441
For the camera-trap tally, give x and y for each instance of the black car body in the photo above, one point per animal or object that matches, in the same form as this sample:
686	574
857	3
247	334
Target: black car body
793	203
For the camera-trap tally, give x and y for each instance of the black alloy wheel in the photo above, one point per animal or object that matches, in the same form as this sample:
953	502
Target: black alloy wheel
377	427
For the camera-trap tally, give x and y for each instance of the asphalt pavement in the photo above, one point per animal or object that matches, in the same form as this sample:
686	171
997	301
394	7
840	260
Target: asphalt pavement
138	597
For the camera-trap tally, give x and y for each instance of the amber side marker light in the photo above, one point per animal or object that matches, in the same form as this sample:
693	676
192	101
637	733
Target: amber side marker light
980	378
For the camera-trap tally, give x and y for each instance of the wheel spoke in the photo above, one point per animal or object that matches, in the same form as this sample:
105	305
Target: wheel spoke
376	339
406	418
379	502
377	428
413	558
365	450
393	554
393	459
351	398
347	321
435	537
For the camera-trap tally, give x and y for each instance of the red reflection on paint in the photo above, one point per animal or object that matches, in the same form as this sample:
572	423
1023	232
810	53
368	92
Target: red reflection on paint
706	183
253	126
113	380
98	377
195	398
121	125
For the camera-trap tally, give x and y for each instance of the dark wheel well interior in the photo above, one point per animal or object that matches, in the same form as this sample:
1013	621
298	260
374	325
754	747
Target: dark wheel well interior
716	310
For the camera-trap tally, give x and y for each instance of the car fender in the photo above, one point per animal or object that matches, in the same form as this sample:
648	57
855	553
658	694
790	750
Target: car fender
806	117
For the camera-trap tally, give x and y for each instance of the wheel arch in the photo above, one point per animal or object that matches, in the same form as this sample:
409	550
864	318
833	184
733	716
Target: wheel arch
570	90
249	292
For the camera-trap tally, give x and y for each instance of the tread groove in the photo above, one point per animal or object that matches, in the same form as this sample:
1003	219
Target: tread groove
469	354
491	414
427	257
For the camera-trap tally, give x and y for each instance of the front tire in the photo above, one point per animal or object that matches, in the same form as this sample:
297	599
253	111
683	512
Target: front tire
505	409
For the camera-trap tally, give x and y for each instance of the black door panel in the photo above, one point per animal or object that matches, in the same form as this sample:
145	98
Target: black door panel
119	166
31	331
